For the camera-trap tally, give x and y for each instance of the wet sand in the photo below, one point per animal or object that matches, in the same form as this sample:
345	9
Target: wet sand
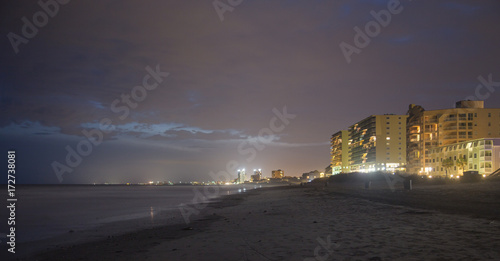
315	222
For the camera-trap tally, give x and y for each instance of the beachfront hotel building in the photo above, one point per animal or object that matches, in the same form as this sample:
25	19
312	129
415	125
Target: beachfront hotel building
378	143
481	155
339	152
277	174
433	129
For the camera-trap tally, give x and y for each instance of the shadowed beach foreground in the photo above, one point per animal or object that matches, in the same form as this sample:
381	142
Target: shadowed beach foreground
315	222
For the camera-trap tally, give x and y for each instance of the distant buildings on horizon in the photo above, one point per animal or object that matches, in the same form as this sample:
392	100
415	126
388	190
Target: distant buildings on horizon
257	175
277	174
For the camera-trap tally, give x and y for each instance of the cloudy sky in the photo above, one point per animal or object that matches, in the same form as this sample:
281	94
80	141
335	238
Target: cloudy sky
218	72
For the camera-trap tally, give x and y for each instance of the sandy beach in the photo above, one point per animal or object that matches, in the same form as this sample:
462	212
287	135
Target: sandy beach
315	222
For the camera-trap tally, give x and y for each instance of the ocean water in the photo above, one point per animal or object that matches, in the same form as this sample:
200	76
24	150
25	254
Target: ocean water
44	212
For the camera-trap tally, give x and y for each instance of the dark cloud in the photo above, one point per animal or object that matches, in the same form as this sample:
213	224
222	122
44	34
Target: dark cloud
227	77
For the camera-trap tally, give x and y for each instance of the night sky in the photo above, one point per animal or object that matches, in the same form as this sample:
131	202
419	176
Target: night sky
229	71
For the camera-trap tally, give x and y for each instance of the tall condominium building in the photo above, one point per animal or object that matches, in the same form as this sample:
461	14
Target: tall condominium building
339	152
241	176
378	143
481	155
428	130
277	174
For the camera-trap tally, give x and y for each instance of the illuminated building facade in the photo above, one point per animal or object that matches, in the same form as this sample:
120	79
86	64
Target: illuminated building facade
257	175
339	152
277	174
428	130
378	143
241	176
481	155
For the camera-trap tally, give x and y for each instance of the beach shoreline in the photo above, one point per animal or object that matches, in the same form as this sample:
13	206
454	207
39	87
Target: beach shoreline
171	220
289	223
54	216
